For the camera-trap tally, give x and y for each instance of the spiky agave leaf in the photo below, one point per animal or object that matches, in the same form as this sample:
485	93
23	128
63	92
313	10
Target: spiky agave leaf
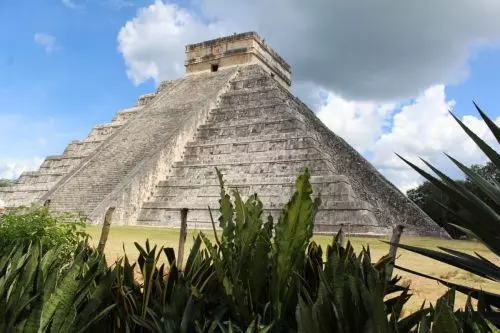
477	218
293	232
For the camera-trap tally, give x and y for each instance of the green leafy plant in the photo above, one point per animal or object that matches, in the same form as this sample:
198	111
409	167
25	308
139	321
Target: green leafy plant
258	276
37	224
258	271
6	182
274	279
477	217
40	293
155	296
438	205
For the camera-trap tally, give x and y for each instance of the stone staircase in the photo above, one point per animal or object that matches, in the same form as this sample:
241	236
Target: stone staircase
141	139
32	186
260	145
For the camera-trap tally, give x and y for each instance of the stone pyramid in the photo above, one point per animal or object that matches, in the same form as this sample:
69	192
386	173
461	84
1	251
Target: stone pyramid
233	110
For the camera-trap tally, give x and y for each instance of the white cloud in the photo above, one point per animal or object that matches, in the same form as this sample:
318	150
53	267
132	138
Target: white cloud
153	42
12	168
362	50
421	128
118	4
70	4
23	138
360	123
48	42
348	59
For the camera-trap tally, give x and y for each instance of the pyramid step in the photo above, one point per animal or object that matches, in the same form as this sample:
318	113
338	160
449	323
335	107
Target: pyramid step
236	104
59	164
192	199
41	186
251	147
271	137
268	155
252	81
199	174
275	110
243	109
189	193
34	177
83	148
358	219
305	158
317	167
255	179
103	131
257	128
248	121
201	206
127	114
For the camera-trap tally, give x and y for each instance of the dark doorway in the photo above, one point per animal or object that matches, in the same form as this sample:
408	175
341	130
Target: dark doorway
214	68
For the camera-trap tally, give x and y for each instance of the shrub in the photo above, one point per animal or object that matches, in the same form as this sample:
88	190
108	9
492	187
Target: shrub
41	293
5	182
36	224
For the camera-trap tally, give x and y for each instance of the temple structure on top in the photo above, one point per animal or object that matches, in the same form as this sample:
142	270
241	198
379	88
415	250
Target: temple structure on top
232	110
236	50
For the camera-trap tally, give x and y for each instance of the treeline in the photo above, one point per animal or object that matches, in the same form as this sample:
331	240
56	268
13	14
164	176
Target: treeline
444	210
6	182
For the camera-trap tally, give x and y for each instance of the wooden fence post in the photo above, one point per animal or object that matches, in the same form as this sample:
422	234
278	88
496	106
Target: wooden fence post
182	238
342	236
105	229
396	237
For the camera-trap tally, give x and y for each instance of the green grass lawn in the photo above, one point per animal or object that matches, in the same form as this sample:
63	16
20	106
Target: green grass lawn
423	289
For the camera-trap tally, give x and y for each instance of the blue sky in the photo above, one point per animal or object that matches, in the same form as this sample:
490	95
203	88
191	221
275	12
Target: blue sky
60	94
482	85
64	68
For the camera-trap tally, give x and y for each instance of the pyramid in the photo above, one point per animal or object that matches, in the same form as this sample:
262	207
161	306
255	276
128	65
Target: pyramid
232	110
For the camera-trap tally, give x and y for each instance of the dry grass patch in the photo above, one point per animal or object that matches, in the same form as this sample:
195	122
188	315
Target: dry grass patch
423	289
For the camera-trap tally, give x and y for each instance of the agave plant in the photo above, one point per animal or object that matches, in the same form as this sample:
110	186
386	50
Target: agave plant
160	298
274	279
347	293
39	293
257	270
476	218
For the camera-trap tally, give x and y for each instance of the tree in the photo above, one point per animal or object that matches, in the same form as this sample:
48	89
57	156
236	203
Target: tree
431	200
6	182
488	172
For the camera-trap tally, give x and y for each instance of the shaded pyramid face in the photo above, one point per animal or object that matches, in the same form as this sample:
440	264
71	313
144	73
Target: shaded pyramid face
160	157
